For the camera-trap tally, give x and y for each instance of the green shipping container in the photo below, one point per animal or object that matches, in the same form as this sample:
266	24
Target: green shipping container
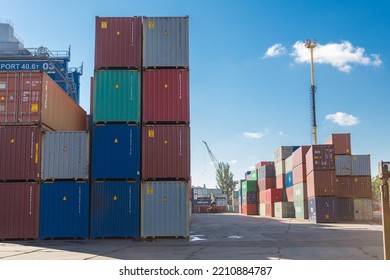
249	186
301	211
117	96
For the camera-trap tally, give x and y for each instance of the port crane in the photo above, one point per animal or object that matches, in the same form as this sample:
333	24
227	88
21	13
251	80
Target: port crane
213	158
311	45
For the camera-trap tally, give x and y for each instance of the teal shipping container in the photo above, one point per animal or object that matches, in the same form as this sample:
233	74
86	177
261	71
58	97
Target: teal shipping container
249	186
115	209
117	96
64	210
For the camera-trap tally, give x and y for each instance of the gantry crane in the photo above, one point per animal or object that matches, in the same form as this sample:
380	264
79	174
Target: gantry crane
213	158
311	45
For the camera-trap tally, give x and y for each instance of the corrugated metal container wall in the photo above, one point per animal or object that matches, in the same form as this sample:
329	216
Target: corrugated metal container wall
64	210
283	152
65	155
301	211
165	42
117	96
343	165
300	192
323	209
115	209
273	195
299	173
115	152
288	164
33	98
299	155
346	209
20	156
261	207
19	210
249	198
266	171
263	163
320	157
266	183
289	194
164	209
118	42
166	152
249	209
165	96
284	209
280	181
362	209
321	183
249	186
280	168
341	142
344	186
361	165
361	186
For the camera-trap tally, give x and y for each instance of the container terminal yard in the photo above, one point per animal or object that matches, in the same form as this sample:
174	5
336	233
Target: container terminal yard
116	183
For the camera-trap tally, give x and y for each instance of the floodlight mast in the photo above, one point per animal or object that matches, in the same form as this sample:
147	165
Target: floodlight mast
311	45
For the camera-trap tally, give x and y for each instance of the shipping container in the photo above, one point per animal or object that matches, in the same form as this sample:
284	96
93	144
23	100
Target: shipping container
33	98
165	42
289	180
115	209
299	155
321	183
118	42
284	209
361	186
166	152
64	210
341	142
263	163
288	164
65	155
164	209
299	173
19	210
284	152
266	183
165	96
261	196
20	156
320	158
281	181
301	211
249	198
252	176
249	209
280	168
261	208
267	209
117	96
115	152
300	192
323	209
361	165
249	186
274	195
343	165
344	186
346	209
266	171
289	194
362	209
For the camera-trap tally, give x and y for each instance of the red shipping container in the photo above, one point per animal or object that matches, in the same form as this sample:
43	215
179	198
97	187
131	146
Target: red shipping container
341	142
249	209
20	153
361	186
344	186
269	210
320	157
299	173
281	181
273	195
118	42
166	152
321	183
299	155
19	210
266	183
290	194
165	96
262	163
33	98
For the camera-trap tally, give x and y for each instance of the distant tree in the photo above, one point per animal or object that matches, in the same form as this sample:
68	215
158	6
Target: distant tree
376	188
225	180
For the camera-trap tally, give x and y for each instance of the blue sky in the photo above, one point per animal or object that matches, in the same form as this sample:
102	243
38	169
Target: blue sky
250	77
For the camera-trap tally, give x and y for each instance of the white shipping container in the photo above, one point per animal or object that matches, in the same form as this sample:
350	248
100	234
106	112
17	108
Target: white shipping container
289	164
362	209
280	168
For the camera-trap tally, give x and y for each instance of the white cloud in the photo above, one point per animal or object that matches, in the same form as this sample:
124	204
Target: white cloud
256	135
342	119
275	50
280	133
233	161
340	55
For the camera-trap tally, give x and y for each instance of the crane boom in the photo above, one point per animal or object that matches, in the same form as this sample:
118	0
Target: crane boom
311	45
213	158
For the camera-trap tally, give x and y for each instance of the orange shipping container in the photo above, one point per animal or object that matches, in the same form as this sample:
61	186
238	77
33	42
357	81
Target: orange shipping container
33	98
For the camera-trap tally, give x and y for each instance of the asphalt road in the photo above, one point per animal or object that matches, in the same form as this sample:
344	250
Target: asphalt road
221	237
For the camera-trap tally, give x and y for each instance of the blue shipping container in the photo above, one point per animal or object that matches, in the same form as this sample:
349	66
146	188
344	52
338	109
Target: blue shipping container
323	209
116	150
64	210
289	179
115	209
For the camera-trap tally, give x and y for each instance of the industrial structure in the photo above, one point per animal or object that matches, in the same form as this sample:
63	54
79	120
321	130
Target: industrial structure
311	45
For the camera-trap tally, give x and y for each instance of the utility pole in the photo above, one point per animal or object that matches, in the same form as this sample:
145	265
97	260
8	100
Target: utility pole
384	175
311	45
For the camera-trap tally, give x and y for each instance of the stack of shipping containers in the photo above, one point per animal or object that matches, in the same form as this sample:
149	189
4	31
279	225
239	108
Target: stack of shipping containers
249	195
268	193
353	180
165	145
299	182
116	131
32	105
